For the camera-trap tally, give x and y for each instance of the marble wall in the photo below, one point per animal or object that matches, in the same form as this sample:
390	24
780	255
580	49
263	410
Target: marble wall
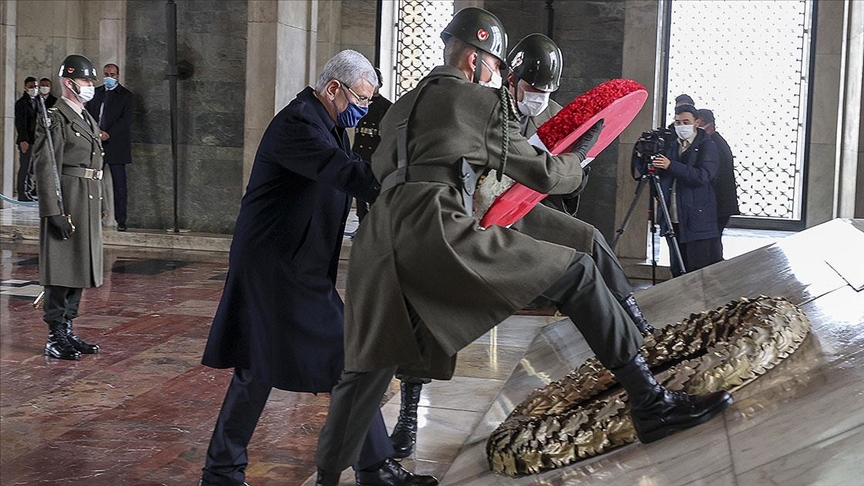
211	36
8	30
591	37
252	56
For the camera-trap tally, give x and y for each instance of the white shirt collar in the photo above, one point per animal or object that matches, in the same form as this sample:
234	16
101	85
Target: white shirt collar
74	107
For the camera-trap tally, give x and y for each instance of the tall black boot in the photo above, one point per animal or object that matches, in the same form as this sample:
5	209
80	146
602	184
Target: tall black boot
405	432
58	344
658	412
79	344
631	307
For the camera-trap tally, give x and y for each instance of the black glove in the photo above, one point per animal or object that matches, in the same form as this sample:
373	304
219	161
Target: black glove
61	225
587	140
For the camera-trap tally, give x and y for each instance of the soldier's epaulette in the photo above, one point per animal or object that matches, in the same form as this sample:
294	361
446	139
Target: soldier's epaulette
54	116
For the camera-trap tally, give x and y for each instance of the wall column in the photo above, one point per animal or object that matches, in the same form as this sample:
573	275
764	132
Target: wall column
280	62
8	43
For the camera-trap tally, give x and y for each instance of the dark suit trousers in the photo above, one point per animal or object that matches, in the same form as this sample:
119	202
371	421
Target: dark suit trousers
580	293
244	401
24	174
61	303
118	178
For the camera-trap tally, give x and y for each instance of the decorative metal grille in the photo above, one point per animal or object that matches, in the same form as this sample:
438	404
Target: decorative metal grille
418	44
748	62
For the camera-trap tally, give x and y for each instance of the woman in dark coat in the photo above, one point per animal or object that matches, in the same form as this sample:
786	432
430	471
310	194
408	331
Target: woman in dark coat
279	323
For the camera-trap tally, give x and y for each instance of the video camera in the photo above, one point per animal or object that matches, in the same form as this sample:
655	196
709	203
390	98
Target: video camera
648	145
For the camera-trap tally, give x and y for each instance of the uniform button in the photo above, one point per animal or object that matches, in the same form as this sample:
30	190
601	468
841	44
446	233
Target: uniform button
90	196
103	154
77	134
94	153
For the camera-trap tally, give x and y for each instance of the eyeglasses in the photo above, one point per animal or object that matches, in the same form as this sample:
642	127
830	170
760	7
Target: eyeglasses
362	101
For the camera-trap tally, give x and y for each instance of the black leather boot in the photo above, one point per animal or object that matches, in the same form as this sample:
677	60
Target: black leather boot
405	432
327	478
79	344
631	307
391	473
658	412
58	344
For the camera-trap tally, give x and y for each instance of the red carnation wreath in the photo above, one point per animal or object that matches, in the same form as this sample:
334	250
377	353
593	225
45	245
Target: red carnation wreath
616	102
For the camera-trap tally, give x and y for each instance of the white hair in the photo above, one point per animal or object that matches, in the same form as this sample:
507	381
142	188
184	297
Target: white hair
349	67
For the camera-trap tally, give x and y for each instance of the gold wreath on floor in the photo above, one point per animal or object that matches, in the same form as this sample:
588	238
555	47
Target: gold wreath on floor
586	413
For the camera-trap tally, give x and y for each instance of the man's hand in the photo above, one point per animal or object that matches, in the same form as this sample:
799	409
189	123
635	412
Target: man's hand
104	136
62	225
24	146
588	140
661	162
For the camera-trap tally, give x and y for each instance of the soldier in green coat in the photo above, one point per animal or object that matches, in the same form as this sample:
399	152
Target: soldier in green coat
441	280
535	65
68	168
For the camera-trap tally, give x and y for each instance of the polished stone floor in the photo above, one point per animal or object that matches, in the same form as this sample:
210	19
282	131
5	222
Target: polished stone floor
141	412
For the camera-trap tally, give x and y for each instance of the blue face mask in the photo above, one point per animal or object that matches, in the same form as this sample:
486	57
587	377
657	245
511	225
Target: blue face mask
110	83
351	116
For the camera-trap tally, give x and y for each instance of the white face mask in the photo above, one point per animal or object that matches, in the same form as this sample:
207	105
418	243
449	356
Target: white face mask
32	92
44	89
533	104
85	93
495	82
685	131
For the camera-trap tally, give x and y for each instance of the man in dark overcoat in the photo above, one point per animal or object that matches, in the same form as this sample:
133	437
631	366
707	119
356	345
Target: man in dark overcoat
113	106
687	171
725	187
280	320
70	207
26	108
441	280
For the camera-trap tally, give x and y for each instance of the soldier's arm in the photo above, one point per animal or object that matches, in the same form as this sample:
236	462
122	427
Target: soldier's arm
45	163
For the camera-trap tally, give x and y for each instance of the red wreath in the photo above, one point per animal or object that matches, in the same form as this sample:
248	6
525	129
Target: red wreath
616	102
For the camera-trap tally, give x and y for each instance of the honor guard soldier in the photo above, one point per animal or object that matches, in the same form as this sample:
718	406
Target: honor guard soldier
441	281
535	72
367	137
68	167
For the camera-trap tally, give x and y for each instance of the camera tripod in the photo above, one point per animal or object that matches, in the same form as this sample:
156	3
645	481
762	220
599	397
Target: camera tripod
656	195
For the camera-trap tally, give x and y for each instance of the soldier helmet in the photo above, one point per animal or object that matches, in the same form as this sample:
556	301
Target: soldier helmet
480	29
76	66
536	59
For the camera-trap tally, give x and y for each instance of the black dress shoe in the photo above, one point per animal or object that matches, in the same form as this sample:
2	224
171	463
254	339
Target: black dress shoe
121	226
391	473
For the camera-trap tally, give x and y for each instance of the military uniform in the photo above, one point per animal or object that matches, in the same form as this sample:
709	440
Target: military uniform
76	261
68	263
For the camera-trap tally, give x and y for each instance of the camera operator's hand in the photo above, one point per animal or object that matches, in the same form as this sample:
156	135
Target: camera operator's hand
62	226
588	140
661	162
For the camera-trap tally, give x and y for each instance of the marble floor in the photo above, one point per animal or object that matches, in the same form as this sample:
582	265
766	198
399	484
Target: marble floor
142	411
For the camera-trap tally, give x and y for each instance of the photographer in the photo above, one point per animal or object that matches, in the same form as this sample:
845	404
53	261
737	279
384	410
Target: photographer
686	170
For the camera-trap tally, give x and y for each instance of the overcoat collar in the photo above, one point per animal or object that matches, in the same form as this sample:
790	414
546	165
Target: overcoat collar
447	71
308	95
80	124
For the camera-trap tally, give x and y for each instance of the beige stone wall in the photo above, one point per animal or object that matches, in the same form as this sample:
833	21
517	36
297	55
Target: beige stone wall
8	31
